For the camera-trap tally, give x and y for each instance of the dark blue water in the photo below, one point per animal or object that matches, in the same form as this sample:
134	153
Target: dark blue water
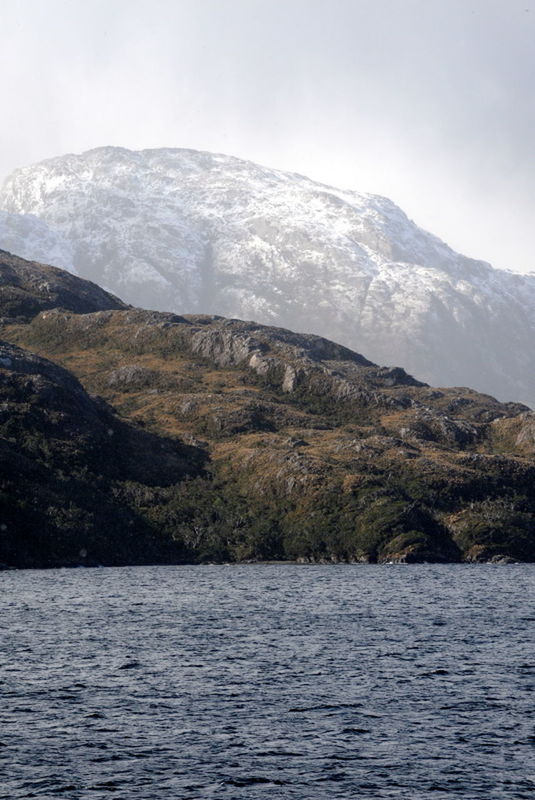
268	681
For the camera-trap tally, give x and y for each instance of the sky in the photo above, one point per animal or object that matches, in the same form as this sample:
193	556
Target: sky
428	102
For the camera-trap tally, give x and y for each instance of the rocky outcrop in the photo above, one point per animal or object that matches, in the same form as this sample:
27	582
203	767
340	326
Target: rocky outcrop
27	288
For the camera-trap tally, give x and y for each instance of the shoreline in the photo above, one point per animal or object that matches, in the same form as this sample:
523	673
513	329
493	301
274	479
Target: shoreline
490	562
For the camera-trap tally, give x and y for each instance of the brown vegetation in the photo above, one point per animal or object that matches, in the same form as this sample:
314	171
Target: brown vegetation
311	451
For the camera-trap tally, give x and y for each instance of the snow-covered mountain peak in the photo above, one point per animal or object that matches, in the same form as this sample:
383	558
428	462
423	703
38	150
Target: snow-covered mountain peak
186	230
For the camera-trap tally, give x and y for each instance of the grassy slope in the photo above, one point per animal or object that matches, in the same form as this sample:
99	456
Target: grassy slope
314	453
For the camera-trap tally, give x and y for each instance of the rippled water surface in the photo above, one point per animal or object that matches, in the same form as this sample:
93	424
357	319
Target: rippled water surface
268	681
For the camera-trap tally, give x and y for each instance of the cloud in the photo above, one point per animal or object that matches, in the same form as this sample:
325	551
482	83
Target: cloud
427	102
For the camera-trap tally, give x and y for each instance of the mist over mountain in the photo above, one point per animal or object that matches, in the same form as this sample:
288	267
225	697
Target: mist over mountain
188	231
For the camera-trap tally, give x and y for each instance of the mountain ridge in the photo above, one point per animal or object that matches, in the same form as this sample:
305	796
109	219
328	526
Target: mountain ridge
183	231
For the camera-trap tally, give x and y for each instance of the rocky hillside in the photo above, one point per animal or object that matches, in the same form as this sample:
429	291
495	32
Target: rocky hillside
236	441
27	288
183	231
71	469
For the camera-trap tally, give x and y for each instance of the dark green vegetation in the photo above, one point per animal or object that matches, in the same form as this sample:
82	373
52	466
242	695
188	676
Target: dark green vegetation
205	439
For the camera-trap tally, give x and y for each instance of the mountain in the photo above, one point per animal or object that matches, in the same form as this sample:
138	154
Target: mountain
32	238
134	436
188	231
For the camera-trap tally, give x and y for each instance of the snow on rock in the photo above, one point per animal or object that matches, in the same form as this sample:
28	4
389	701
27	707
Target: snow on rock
189	231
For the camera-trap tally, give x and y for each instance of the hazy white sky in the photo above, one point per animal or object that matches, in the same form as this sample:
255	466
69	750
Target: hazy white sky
430	102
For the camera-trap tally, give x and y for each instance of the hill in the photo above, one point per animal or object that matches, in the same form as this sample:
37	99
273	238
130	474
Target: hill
236	441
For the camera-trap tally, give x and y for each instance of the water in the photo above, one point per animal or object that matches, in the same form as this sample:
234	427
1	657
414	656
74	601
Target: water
268	681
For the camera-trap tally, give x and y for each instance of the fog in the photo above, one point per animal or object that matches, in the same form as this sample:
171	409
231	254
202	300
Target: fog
427	102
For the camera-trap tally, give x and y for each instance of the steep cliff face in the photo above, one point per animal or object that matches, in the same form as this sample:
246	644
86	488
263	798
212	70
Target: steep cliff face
232	440
183	231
